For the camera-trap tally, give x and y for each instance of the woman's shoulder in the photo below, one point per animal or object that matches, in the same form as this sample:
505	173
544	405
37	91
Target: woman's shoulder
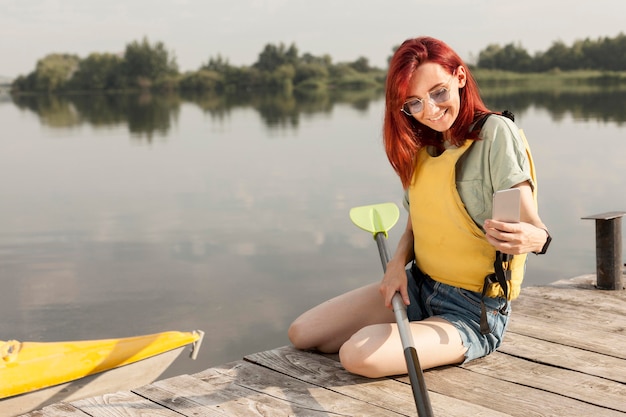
499	128
496	121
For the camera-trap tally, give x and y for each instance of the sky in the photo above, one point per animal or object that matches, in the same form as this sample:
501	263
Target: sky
238	30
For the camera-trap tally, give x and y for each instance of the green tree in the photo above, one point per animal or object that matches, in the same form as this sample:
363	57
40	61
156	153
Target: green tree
275	56
99	72
558	56
361	65
217	64
280	80
54	71
342	70
202	80
144	64
511	57
487	58
611	53
307	71
517	57
244	79
24	83
324	60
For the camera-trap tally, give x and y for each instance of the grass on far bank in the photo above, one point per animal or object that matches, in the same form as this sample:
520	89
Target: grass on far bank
550	79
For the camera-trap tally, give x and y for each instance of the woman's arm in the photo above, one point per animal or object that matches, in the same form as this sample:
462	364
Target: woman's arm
529	235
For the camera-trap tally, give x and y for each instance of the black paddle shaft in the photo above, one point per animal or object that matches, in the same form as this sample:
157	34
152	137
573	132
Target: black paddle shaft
382	250
416	376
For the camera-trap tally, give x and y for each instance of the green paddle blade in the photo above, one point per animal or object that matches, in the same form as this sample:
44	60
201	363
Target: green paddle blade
377	218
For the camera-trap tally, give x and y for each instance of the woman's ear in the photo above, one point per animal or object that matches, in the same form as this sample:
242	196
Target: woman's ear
462	76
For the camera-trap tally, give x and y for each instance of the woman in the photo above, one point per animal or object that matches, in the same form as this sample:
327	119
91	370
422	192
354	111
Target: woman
451	154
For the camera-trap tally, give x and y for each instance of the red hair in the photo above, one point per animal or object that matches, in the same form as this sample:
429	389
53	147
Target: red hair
404	136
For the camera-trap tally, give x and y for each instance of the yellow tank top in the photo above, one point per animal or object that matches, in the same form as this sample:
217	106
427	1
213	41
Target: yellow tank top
449	246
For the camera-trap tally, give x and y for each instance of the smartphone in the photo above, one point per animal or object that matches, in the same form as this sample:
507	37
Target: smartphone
506	205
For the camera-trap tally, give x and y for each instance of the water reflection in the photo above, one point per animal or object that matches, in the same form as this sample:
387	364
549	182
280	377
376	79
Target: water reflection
604	104
147	116
282	111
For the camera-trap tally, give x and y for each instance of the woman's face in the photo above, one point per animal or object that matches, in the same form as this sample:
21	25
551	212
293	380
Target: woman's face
428	84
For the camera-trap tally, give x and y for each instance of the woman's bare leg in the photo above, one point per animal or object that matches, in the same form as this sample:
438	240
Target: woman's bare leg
376	350
329	325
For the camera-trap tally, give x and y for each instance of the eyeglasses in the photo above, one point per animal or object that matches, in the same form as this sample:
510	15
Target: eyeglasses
438	96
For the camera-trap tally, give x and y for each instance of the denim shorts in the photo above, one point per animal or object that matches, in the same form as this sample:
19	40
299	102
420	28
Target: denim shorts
460	307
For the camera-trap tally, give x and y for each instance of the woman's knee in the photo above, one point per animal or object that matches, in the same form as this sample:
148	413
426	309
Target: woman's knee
358	358
297	334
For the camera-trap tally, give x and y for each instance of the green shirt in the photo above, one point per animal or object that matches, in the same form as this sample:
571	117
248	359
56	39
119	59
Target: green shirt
495	162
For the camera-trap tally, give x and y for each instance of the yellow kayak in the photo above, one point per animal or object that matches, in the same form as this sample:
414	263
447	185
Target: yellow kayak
33	373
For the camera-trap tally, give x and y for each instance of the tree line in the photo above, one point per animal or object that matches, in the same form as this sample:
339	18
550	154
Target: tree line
143	65
603	54
283	69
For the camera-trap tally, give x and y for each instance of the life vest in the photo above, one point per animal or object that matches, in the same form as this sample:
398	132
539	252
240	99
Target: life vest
449	246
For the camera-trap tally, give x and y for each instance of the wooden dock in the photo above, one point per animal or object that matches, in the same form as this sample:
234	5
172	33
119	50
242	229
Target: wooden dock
564	355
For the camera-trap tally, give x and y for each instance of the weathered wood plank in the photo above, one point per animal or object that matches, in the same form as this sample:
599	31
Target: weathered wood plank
576	317
181	402
586	282
582	286
579	335
504	396
56	410
122	404
563	356
384	392
243	388
559	301
318	370
564	382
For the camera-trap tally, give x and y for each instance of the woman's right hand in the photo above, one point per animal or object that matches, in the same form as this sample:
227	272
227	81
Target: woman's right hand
394	280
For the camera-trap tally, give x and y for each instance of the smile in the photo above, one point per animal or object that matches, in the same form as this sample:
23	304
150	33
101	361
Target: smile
435	119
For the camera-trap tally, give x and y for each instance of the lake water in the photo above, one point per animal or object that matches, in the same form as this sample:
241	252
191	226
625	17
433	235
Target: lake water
127	215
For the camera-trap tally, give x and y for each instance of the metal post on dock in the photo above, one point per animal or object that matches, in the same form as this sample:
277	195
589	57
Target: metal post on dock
608	249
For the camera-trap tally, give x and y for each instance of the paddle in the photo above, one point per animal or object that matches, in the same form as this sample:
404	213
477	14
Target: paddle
378	219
